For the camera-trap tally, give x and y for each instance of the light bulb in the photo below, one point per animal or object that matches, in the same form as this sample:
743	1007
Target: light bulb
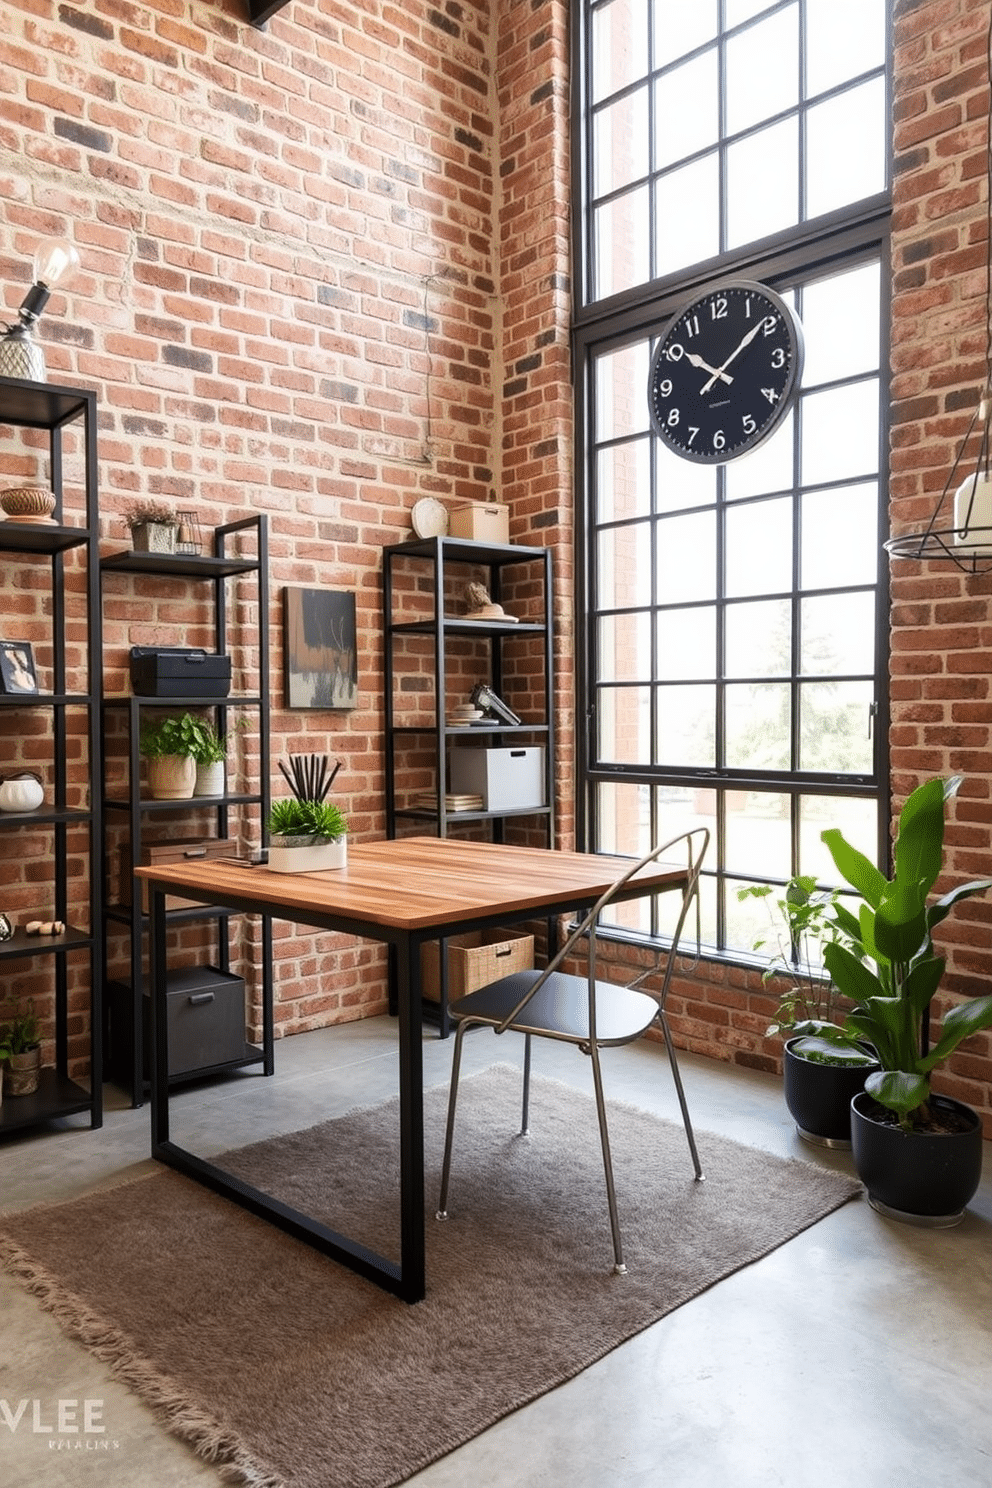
973	514
54	260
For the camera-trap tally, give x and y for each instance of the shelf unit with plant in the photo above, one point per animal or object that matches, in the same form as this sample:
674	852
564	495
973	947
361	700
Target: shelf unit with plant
200	729
54	731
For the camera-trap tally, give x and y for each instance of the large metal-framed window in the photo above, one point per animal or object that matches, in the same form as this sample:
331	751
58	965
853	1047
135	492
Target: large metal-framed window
733	652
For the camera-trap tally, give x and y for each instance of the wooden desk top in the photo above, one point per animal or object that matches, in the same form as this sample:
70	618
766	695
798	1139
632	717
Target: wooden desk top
416	883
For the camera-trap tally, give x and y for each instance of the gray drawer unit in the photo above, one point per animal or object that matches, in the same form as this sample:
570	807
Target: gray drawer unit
206	1018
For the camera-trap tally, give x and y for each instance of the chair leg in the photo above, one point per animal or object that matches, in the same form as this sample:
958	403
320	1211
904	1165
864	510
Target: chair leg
619	1269
525	1111
681	1095
449	1131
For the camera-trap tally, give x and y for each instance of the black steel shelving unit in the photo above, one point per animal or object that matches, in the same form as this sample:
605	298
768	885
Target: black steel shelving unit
56	410
137	810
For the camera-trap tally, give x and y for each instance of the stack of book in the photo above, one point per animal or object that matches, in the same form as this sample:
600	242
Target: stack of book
427	800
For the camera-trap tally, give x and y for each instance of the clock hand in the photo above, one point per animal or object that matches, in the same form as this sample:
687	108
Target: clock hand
735	353
697	361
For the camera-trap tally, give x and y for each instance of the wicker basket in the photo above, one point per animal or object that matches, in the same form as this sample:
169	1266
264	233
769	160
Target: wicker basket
474	960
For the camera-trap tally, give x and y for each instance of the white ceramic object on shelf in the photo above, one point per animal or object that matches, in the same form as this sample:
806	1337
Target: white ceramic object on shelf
303	855
21	793
210	779
429	518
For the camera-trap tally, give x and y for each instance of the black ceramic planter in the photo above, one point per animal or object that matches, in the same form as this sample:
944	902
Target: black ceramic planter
924	1178
819	1097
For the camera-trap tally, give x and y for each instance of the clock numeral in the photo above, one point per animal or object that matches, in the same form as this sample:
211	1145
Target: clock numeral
770	394
749	424
778	356
665	387
692	434
673	418
719	440
691	325
771	325
675	352
718	308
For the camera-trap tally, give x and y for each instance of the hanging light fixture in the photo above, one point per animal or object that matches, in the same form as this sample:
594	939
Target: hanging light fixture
20	355
966	500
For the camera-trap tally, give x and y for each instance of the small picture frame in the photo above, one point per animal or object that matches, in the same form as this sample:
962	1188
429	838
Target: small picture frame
17	673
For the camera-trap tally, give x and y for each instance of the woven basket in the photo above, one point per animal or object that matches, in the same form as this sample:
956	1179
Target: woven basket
474	960
28	501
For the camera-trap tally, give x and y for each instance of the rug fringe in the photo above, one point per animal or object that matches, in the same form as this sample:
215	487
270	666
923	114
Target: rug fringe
214	1443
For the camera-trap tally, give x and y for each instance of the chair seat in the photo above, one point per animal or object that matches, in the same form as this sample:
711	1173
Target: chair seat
561	1007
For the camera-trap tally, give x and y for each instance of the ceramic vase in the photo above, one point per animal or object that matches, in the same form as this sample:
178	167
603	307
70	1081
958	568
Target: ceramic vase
307	854
210	779
171	777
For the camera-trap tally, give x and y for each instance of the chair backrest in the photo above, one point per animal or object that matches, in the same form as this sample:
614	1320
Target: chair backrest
694	843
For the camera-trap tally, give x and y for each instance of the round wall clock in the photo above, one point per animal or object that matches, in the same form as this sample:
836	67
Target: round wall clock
725	373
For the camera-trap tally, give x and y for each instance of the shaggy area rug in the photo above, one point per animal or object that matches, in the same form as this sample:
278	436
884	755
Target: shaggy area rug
284	1368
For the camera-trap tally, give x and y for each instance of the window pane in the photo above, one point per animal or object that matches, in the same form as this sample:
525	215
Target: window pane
768	468
624	715
840	433
759	548
624	568
843	38
846	148
687	558
841	324
838	634
624	818
840	537
687	726
763	71
687	215
857	819
758	717
625	648
687	111
746	921
623	481
618	45
763	183
687	643
743	10
622	257
759	832
620	143
759	639
681	28
681	485
621	403
834	727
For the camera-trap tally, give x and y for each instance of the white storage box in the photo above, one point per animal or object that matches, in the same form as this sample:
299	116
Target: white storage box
506	779
480	523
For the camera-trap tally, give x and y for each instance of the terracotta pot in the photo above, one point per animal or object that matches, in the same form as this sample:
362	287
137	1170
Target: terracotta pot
172	777
24	1072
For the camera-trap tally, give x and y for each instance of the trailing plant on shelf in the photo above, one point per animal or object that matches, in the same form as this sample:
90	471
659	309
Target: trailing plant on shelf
150	513
888	966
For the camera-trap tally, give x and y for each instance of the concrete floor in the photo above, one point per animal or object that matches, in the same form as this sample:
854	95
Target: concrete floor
860	1351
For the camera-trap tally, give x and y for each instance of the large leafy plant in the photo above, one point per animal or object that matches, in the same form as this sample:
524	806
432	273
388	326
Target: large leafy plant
890	970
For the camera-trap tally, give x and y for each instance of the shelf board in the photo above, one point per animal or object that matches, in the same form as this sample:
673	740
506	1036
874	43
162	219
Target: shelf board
121	913
40	405
20	944
464	550
240	700
459	625
423	813
56	1096
46	700
28	537
185	803
461	731
43	815
177	565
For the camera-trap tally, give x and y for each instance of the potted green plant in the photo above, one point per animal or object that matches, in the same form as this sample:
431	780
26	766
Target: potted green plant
309	833
153	526
168	742
919	1154
20	1047
823	1069
209	748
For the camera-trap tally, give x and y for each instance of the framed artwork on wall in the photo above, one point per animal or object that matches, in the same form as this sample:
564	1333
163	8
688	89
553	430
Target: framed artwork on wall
320	648
17	673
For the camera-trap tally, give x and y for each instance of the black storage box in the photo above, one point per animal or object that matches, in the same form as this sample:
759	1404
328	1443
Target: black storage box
206	1009
179	671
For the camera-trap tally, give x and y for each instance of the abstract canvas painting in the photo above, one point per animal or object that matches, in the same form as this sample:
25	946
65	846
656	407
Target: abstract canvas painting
319	648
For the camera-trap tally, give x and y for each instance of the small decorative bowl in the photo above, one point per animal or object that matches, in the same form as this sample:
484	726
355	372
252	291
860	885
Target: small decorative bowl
28	503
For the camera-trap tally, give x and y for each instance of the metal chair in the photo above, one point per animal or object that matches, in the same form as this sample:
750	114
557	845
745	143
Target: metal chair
584	1011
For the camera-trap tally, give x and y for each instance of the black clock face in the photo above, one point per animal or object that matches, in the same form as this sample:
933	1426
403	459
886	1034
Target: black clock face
726	373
